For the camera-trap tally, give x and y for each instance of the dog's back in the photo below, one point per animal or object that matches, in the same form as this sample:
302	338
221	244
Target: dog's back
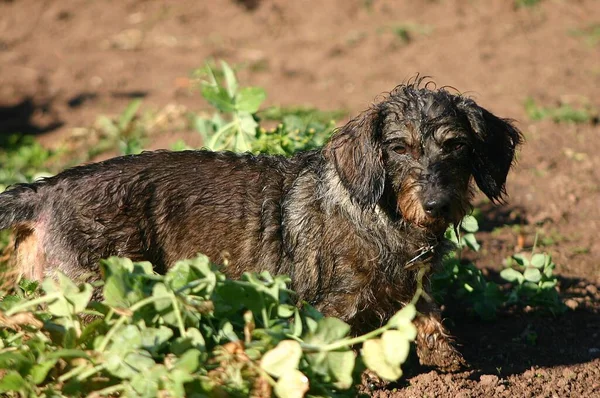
158	206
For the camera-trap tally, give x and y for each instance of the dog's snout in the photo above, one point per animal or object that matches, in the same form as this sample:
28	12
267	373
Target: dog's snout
437	207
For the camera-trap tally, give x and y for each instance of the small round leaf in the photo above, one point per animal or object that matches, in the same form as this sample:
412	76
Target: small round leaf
373	354
469	224
512	275
538	260
395	347
532	274
284	358
292	384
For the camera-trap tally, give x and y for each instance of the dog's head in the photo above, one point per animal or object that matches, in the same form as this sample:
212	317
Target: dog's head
416	152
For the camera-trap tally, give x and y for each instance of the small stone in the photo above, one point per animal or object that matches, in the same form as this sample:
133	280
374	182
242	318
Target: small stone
568	374
572	304
488	380
591	289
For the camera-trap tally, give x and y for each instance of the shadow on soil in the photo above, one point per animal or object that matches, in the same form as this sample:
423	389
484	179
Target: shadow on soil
521	338
28	117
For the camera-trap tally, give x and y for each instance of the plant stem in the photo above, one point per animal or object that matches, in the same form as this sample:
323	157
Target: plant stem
32	303
123	318
178	315
336	345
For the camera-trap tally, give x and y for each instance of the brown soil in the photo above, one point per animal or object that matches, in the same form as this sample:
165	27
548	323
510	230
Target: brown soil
63	63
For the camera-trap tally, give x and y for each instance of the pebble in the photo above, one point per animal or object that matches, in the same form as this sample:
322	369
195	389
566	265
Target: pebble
591	289
572	304
488	380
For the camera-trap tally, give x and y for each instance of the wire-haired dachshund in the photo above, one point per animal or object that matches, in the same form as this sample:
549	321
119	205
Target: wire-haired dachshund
351	223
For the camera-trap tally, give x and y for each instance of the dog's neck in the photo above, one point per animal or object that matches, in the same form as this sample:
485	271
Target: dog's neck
336	198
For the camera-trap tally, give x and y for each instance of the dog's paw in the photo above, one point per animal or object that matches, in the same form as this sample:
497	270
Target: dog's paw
437	351
371	381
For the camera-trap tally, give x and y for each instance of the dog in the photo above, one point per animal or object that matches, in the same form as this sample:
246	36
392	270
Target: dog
352	223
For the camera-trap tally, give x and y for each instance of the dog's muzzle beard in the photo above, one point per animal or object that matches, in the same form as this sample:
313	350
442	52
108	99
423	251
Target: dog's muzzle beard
430	212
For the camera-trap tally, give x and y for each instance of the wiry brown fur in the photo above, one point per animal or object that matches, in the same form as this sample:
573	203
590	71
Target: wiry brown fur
345	222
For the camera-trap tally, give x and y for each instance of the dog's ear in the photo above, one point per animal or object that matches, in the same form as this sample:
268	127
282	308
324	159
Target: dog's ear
355	150
496	141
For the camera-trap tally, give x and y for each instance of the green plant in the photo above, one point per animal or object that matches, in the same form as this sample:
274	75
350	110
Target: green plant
526	3
406	32
533	281
564	113
529	282
590	34
240	104
124	132
235	125
191	332
462	280
22	159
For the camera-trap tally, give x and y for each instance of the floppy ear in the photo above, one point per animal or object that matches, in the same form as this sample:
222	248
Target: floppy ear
355	150
496	140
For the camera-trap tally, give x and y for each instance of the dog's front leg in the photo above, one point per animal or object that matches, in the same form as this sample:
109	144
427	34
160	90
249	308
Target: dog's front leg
434	344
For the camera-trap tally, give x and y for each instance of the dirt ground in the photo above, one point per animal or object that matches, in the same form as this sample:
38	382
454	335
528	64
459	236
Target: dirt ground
64	62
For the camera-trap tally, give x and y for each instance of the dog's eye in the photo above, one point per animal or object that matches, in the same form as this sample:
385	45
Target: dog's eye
400	149
454	145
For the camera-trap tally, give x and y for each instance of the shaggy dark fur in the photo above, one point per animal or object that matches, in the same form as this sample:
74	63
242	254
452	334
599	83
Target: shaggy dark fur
351	223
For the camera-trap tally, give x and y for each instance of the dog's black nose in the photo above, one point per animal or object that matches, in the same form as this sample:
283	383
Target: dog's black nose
437	207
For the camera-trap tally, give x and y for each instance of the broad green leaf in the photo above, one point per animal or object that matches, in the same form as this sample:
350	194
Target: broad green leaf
218	97
126	338
395	347
328	330
74	299
248	127
163	295
340	366
189	361
450	234
177	378
532	275
249	99
230	79
548	285
538	260
14	360
193	339
292	384
284	358
471	241
403	317
12	381
227	331
128	114
512	275
116	287
154	338
285	310
469	224
147	384
530	287
373	354
40	370
521	259
128	363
